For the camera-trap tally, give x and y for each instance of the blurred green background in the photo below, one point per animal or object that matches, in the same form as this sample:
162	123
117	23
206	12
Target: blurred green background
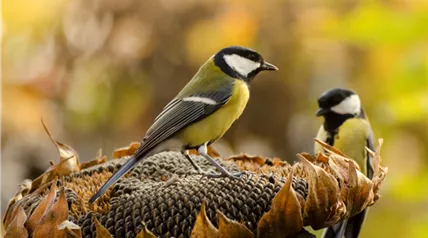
99	71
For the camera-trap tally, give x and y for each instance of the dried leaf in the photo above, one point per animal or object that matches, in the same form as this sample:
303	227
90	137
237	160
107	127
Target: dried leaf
249	159
69	159
145	233
101	231
376	157
48	226
72	233
359	191
99	159
203	227
323	201
23	189
2	231
330	148
16	228
232	229
12	210
310	158
284	219
43	207
379	172
126	151
71	229
41	180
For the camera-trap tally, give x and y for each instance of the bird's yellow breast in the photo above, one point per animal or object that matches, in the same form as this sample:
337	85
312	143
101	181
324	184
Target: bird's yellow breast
351	139
215	125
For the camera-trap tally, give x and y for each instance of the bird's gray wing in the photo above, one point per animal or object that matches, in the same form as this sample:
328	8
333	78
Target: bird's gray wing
369	161
180	113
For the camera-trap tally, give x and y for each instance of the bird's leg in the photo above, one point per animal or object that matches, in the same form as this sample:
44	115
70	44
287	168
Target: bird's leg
188	157
223	172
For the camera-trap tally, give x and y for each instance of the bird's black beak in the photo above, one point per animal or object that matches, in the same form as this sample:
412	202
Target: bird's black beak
322	111
268	66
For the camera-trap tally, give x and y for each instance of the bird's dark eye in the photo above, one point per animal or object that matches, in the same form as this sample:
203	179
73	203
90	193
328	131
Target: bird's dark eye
252	57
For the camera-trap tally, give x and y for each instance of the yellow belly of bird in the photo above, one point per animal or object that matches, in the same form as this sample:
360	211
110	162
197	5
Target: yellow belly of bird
215	125
350	140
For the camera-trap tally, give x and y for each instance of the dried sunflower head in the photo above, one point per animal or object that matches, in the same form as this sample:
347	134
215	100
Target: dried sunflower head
165	197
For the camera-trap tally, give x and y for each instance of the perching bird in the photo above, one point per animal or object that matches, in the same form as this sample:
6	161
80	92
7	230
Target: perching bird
202	111
347	128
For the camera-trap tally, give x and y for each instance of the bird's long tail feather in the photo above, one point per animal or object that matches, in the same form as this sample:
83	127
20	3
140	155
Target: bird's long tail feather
113	179
349	228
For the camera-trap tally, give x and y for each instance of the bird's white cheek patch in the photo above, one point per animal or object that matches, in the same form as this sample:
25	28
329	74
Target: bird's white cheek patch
351	105
240	64
200	99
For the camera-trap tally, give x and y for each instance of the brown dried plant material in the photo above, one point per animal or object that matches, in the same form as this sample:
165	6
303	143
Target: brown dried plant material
101	231
99	159
68	163
311	158
69	159
23	189
261	165
324	189
323	205
126	151
43	207
285	217
145	233
232	229
48	225
358	188
379	172
71	230
16	228
247	162
12	210
329	147
203	227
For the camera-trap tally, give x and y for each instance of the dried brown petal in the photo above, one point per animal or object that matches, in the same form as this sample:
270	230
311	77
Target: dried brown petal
311	159
284	219
329	147
203	228
99	159
323	205
379	172
23	189
48	225
101	231
359	192
16	228
43	207
71	230
69	159
232	229
126	151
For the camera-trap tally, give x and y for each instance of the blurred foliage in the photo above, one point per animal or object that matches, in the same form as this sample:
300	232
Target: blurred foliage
98	72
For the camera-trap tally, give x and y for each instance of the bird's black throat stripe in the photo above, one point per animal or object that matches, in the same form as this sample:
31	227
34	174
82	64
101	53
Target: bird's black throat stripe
334	120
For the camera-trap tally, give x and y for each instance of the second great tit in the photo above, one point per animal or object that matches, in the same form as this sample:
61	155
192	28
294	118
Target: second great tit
202	111
346	127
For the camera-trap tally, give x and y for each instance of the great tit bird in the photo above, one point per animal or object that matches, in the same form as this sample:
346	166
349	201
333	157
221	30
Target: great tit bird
202	111
346	127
